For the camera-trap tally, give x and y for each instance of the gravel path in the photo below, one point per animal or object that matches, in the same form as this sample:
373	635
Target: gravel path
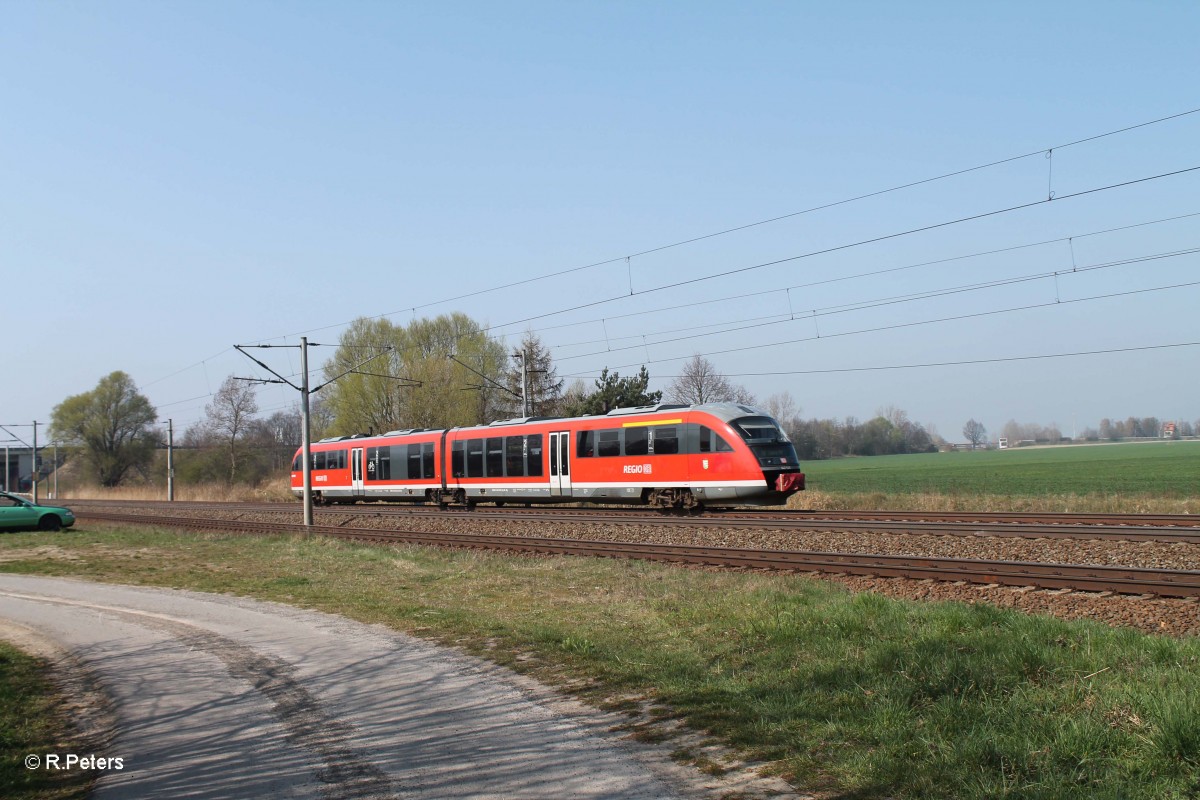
213	696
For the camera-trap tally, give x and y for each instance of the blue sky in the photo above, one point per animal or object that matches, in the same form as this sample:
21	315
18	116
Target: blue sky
177	178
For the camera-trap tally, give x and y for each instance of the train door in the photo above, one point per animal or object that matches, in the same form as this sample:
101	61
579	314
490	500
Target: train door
356	471
560	464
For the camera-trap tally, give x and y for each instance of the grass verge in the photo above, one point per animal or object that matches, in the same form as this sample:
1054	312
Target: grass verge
31	724
853	696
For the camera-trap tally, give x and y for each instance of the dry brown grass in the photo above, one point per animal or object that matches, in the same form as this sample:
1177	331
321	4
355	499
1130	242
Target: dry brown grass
207	493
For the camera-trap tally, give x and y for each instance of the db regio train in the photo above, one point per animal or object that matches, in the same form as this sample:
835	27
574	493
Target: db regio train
670	456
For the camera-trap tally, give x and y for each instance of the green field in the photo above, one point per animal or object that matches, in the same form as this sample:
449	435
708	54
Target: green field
1169	470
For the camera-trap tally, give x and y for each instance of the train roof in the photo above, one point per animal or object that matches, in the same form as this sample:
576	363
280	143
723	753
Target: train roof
726	412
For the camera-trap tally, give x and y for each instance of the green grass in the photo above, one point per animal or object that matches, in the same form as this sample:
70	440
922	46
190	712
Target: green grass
856	695
1166	470
31	725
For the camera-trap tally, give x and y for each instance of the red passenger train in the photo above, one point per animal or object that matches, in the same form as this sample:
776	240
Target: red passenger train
680	456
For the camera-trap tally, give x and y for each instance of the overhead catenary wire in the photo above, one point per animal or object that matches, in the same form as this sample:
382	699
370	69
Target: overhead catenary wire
868	195
959	363
838	248
859	275
902	325
944	176
760	321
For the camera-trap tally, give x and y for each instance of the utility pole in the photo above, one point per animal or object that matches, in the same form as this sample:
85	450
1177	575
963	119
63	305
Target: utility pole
170	460
56	469
35	464
305	433
305	391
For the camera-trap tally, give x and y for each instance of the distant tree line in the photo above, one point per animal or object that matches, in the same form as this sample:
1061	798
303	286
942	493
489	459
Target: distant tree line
891	432
1025	432
1139	427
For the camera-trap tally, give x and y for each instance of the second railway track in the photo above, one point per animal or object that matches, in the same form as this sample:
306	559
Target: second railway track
1095	578
1183	529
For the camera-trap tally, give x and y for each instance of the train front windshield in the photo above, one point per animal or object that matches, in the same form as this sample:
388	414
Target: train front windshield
767	441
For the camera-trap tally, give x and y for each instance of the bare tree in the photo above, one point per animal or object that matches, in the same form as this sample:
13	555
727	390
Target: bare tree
782	406
975	432
700	382
229	415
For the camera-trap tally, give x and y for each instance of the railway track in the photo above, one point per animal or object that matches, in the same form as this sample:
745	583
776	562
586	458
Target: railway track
1184	529
1122	580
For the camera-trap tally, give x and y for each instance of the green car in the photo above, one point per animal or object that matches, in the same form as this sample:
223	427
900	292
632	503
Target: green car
17	513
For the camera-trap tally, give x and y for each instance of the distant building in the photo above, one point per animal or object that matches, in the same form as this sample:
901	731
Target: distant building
1168	430
17	473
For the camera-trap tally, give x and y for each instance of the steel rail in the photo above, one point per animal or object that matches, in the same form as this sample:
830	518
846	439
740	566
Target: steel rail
989	525
1122	580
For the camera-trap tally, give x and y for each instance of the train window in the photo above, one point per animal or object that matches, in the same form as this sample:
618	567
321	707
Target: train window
495	457
665	439
759	428
637	441
586	447
475	458
711	442
296	461
318	460
534	444
379	463
337	460
608	443
414	461
458	464
514	456
428	468
564	446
